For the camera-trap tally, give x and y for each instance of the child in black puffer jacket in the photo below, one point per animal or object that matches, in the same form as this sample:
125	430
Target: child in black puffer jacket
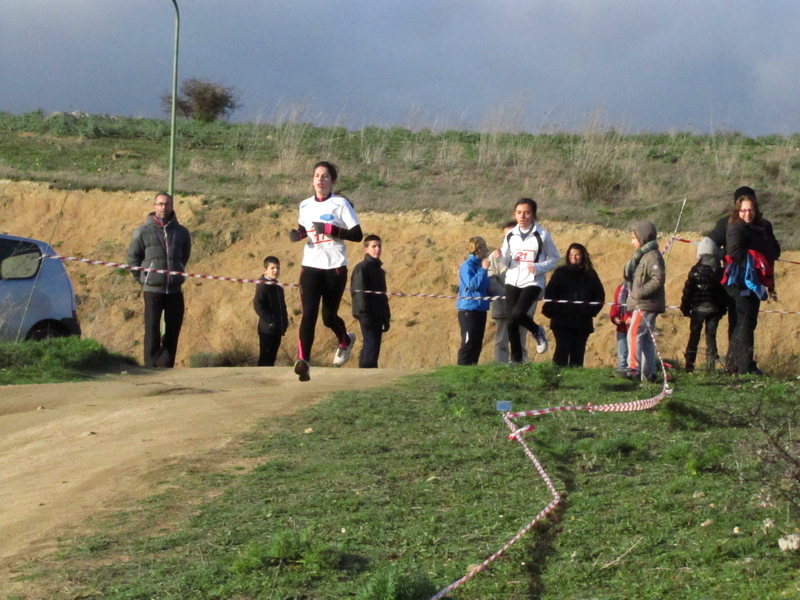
704	301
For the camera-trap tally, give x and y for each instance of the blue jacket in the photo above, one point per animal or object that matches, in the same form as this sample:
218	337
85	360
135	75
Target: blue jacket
473	282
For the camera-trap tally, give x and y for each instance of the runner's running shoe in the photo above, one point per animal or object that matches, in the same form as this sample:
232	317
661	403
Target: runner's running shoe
302	370
343	354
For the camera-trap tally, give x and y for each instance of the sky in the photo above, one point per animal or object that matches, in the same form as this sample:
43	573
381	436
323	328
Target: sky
485	65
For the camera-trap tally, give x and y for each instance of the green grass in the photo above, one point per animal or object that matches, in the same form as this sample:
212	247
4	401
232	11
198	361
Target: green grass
394	493
599	176
56	360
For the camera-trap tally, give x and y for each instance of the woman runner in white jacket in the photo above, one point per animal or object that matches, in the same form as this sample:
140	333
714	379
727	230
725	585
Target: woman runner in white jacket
325	220
530	253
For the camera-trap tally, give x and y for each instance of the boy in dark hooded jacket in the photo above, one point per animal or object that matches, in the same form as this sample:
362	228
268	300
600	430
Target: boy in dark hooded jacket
646	274
270	306
704	301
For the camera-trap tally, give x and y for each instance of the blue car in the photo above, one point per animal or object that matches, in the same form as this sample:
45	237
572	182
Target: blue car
37	300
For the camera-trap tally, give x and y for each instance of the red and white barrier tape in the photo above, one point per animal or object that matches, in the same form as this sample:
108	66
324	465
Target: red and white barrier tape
516	434
296	285
677	239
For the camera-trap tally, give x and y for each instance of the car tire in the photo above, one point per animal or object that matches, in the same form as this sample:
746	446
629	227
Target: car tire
46	331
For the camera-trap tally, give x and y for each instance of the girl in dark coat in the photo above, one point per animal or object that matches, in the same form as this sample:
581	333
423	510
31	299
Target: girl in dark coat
572	323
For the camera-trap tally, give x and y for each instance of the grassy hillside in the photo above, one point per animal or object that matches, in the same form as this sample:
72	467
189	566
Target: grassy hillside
377	492
600	176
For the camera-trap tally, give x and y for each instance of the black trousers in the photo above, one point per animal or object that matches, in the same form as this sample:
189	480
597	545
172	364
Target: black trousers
740	352
699	317
371	333
518	302
473	326
731	316
570	347
326	286
268	346
160	351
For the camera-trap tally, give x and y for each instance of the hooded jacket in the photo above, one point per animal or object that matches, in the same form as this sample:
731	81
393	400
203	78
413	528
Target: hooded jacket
647	287
473	283
164	246
703	287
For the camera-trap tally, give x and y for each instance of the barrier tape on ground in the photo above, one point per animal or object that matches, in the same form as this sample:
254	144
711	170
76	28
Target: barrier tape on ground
516	434
296	285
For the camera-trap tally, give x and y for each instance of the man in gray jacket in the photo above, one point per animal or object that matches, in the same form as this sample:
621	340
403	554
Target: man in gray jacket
161	244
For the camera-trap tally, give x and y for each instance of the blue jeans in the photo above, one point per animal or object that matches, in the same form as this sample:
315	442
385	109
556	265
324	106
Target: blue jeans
641	348
622	351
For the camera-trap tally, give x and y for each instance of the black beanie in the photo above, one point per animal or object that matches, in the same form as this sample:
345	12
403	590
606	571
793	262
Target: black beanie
744	191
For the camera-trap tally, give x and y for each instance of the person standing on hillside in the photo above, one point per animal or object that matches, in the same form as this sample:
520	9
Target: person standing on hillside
619	316
370	310
270	306
646	274
704	301
325	220
472	306
161	244
749	240
529	253
572	322
719	234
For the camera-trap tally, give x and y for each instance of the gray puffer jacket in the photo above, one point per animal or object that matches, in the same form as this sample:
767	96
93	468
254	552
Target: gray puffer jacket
647	288
160	246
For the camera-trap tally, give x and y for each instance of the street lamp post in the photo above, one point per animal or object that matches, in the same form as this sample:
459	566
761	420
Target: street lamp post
174	103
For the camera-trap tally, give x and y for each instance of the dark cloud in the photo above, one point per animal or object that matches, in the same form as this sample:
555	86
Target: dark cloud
654	66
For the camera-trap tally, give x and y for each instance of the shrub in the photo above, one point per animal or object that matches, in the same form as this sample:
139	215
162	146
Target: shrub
237	354
203	101
201	360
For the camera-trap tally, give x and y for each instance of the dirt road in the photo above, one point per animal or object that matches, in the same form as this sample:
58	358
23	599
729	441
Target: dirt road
77	449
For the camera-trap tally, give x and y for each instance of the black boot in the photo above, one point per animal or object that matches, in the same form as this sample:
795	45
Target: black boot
690	356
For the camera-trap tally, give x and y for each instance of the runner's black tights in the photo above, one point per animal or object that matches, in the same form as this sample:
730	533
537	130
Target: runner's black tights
327	286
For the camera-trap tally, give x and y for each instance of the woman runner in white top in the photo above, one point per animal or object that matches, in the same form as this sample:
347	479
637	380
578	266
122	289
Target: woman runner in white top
530	253
325	220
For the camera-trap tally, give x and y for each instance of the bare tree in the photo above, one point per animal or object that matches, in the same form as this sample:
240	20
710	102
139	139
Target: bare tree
203	100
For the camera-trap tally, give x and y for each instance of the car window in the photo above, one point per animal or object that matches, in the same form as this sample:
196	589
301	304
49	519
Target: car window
18	259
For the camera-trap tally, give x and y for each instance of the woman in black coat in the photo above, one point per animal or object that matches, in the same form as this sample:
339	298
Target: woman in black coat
573	323
747	230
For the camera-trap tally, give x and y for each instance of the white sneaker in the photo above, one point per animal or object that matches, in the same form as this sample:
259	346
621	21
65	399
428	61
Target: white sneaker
541	340
302	370
343	354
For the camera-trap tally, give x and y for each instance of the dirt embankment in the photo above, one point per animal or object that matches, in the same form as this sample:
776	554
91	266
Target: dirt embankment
422	253
92	447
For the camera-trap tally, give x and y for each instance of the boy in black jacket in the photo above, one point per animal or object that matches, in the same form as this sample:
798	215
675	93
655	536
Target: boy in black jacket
704	300
371	310
271	309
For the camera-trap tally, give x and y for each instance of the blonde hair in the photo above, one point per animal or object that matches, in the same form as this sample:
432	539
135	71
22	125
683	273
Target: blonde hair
475	243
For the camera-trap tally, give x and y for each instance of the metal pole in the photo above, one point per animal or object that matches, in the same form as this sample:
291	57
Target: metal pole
174	103
680	214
